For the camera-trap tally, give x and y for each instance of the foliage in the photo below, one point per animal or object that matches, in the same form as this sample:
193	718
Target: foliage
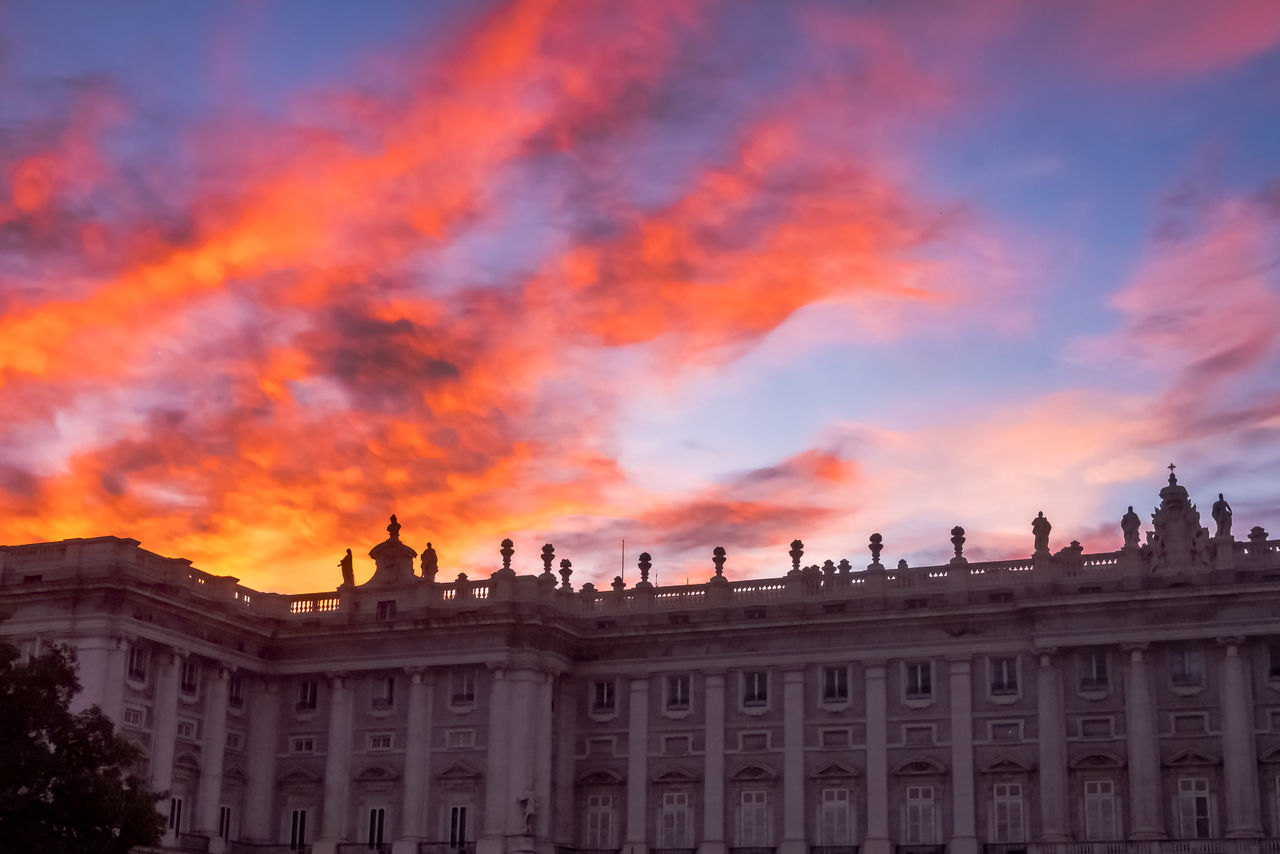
65	779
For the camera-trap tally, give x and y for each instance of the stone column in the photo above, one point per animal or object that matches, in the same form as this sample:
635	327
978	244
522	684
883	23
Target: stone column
337	767
877	781
417	761
93	656
492	841
637	767
261	785
566	725
713	840
793	788
1053	750
523	685
113	696
211	760
164	733
1239	746
964	833
542	760
1143	747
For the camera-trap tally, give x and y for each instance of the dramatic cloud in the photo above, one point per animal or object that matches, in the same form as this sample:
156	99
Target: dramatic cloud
246	332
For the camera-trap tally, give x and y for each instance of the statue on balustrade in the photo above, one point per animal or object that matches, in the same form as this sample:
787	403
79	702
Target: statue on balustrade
348	573
430	564
1222	515
1040	527
1129	524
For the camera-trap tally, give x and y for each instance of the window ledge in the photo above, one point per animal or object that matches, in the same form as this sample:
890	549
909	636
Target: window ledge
754	710
918	702
603	717
677	714
1005	699
1094	693
835	705
1187	690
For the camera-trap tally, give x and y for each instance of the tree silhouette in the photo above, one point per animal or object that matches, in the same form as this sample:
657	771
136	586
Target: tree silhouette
66	781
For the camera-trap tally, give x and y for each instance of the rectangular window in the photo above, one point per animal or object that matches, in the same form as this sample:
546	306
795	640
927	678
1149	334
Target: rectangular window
603	697
224	822
235	692
386	611
835	821
920	826
186	728
460	739
753	819
298	830
1093	671
457	826
755	688
1006	812
235	740
302	745
134	717
138	664
462	687
377	824
190	680
599	823
307	690
380	740
1195	820
384	692
1186	667
675	825
1100	813
835	684
678	693
175	815
1273	661
1004	676
919	676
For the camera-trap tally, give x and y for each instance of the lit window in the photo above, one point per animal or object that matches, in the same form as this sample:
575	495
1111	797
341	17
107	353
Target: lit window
603	697
755	688
919	680
835	684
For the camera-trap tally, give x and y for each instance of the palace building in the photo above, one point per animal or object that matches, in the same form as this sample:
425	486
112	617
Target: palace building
1126	702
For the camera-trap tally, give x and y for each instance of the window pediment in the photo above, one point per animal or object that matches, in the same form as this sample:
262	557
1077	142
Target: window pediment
600	777
1006	765
676	775
377	774
1097	759
835	770
458	771
754	771
920	767
298	776
1191	757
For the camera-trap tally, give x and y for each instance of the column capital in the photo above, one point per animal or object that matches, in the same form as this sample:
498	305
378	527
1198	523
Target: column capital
638	683
714	678
1135	649
420	676
1232	643
956	663
338	678
1045	655
793	676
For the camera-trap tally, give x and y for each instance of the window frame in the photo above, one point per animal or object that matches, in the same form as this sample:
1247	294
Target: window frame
308	695
835	686
999	670
1089	682
1013	804
754	694
911	671
1096	826
462	689
382	694
671	695
188	678
602	698
1190	793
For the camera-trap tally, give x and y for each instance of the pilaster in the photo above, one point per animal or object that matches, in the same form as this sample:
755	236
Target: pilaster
1143	747
493	841
212	755
1239	746
1051	725
260	787
793	788
165	732
713	838
337	767
964	835
877	839
417	761
637	767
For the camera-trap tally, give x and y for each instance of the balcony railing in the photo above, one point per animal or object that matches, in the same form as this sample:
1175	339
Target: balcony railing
363	848
446	848
1121	846
673	850
753	849
266	848
919	849
833	849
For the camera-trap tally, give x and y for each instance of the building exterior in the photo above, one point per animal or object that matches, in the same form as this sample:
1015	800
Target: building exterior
1064	703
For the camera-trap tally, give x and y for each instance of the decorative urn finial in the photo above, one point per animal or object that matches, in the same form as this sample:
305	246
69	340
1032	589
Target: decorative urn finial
957	540
877	543
548	555
644	563
718	558
506	551
566	569
797	552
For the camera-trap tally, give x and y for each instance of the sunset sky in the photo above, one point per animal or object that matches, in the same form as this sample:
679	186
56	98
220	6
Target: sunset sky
688	274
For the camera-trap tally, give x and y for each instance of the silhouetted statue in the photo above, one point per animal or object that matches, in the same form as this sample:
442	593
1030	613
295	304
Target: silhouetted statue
1222	515
394	530
430	565
1129	524
1040	527
348	574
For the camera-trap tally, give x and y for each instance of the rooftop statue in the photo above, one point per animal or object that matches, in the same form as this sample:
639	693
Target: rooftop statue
1129	524
1222	515
1040	527
430	564
348	574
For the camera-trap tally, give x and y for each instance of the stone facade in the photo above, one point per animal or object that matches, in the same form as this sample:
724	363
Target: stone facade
1066	703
